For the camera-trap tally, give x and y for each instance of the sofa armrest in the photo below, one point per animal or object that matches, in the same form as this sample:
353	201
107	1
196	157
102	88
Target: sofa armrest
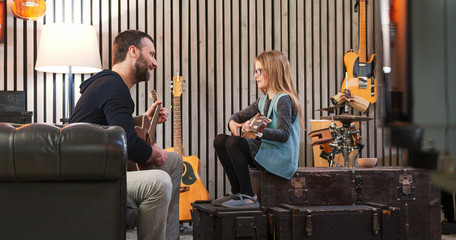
79	151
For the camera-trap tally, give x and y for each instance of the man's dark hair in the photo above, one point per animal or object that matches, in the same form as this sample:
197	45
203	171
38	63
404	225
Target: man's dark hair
124	40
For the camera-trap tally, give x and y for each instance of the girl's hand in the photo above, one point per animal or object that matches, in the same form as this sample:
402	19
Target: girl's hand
234	127
246	127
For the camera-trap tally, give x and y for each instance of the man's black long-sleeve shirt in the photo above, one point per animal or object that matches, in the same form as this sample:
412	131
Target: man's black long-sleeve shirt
106	100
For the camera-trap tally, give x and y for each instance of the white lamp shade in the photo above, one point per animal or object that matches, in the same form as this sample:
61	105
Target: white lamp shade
68	44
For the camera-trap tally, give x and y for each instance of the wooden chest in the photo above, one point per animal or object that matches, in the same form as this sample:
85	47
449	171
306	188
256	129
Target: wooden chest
212	222
408	189
16	117
288	222
12	107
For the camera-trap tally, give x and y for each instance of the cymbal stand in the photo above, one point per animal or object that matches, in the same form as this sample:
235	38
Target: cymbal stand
344	142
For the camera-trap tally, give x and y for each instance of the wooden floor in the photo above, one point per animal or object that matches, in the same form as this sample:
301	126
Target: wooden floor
185	234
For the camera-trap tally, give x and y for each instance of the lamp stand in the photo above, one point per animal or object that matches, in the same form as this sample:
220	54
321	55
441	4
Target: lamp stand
68	110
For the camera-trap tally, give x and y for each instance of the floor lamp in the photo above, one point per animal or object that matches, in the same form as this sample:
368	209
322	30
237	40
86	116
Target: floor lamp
71	49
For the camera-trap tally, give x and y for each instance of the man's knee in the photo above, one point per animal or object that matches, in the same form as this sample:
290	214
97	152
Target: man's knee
159	183
176	162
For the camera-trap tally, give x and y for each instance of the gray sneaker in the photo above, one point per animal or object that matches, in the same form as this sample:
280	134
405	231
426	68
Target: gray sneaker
219	201
242	201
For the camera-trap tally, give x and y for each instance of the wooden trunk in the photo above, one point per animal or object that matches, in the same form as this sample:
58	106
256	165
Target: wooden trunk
213	222
288	222
12	107
407	189
309	186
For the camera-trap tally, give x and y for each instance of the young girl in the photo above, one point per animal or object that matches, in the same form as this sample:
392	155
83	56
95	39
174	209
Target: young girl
276	148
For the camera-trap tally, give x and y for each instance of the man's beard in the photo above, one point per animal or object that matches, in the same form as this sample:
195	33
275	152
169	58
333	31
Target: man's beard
142	73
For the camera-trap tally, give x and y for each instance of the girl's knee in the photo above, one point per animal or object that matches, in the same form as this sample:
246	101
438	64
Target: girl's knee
219	140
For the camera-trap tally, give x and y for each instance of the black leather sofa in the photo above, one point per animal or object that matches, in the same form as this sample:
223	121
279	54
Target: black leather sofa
62	182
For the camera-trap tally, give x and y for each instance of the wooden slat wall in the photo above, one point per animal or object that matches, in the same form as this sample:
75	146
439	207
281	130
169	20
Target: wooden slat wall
213	45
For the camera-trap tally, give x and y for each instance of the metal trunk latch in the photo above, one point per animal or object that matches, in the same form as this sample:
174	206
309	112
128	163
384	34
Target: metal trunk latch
375	223
405	190
297	193
309	228
358	182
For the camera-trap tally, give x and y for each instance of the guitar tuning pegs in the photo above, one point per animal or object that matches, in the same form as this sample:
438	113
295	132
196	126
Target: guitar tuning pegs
171	86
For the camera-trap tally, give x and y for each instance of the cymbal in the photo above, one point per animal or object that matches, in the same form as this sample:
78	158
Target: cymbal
346	118
329	109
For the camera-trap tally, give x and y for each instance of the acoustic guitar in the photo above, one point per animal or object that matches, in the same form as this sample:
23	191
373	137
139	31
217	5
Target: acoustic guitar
360	74
190	177
29	9
145	129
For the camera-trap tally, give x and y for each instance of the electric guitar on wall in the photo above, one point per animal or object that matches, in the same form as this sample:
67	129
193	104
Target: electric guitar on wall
29	9
360	76
190	177
145	129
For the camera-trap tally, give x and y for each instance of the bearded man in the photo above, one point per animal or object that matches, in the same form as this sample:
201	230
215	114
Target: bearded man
106	100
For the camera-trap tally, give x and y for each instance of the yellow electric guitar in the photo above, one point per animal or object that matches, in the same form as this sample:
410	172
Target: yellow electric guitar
360	76
191	182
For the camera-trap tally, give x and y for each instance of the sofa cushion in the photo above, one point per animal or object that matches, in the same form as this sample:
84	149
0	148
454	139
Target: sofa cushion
40	151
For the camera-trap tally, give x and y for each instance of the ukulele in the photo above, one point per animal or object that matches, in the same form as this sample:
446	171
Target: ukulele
195	189
257	125
29	9
145	129
360	76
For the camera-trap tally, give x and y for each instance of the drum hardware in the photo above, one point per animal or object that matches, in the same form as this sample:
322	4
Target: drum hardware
335	140
345	140
329	155
324	138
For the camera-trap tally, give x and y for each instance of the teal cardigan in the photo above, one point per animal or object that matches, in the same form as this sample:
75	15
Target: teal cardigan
276	157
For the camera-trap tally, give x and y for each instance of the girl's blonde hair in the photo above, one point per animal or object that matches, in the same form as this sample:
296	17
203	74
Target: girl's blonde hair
277	68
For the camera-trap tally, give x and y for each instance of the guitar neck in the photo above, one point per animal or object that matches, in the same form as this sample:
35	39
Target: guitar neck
177	140
362	31
153	123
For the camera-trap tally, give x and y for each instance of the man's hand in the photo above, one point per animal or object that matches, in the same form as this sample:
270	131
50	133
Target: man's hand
234	127
158	157
164	113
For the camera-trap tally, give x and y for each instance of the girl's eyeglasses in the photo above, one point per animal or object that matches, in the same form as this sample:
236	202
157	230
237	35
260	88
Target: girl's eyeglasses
257	71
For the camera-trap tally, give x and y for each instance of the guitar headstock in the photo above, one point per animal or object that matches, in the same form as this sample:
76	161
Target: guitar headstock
153	95
177	86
